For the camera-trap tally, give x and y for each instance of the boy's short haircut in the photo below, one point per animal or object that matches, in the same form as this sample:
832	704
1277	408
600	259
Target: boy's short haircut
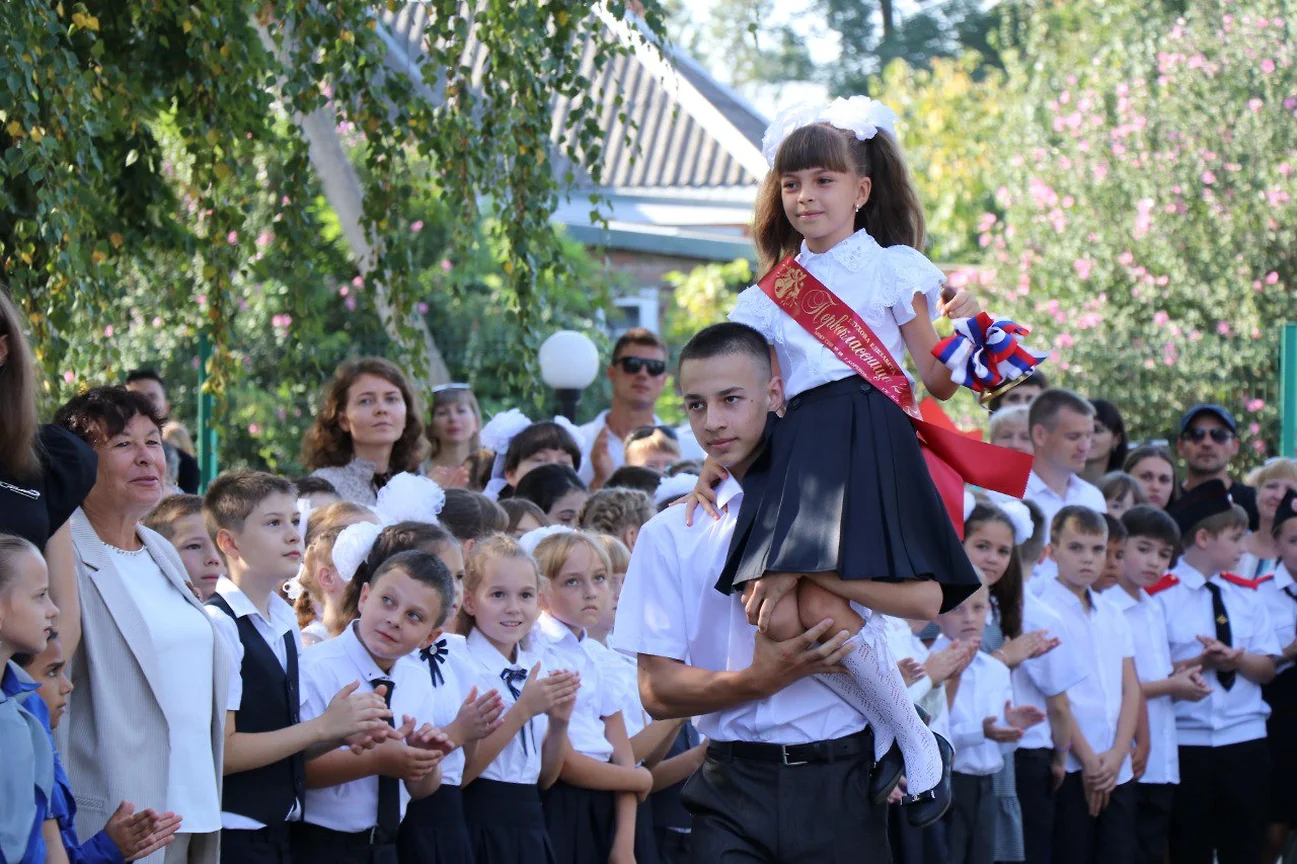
617	510
233	496
1144	520
1116	530
312	485
170	510
727	337
641	336
1233	519
652	439
618	554
1082	519
422	567
685	466
1014	414
634	477
1046	407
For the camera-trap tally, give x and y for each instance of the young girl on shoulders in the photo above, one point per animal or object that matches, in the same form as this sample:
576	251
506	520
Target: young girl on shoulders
502	806
591	810
840	516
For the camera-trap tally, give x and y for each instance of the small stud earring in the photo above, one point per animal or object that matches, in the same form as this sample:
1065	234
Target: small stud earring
857	208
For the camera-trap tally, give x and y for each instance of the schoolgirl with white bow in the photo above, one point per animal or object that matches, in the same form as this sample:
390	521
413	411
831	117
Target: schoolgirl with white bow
317	591
521	445
525	753
841	510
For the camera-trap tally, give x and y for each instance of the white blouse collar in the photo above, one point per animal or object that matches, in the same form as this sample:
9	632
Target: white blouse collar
851	253
490	657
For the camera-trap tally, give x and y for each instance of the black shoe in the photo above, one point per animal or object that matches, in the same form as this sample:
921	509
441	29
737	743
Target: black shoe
927	807
886	774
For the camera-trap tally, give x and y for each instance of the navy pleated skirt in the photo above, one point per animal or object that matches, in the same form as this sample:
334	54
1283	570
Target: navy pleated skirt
433	830
506	824
842	487
581	822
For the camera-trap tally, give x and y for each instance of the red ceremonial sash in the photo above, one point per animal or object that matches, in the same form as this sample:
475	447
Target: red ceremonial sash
953	458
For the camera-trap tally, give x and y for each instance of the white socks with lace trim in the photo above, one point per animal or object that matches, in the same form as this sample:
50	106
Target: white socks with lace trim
875	688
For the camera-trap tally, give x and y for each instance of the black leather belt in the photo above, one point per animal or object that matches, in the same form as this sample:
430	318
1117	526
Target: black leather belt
850	747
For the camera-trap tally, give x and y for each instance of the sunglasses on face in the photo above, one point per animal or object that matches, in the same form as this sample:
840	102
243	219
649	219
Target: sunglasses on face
633	365
645	431
1219	435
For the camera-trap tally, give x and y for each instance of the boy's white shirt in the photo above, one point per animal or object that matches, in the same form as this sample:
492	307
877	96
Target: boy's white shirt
984	687
324	670
1279	594
1048	675
1102	640
1152	663
282	621
1225	716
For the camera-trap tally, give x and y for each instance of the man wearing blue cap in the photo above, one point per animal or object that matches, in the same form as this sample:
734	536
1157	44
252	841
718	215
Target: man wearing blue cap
1208	441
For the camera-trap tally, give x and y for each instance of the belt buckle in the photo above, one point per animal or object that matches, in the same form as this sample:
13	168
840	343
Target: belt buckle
790	763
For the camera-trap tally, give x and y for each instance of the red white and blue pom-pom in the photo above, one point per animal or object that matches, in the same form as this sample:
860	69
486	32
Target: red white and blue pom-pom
985	352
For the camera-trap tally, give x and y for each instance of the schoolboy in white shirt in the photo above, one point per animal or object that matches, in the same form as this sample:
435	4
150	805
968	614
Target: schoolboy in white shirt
251	516
1216	620
1151	546
1094	820
355	803
985	726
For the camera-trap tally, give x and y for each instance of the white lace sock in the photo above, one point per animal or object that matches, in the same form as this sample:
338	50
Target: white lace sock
874	687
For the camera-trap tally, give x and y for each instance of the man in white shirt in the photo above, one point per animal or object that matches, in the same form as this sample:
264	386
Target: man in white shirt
638	372
788	764
1061	425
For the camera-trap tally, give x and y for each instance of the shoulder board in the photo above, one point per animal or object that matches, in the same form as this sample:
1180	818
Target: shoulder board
1235	579
1167	581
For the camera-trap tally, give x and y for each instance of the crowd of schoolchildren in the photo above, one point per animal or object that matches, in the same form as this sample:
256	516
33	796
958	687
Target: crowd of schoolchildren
1116	691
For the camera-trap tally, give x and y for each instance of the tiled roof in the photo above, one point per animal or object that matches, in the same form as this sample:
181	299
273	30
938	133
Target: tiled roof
692	133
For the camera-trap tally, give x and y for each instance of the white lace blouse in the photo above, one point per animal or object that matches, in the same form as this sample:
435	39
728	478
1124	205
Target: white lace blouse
878	283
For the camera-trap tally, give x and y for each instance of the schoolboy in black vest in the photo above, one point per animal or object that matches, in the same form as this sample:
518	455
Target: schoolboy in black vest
252	517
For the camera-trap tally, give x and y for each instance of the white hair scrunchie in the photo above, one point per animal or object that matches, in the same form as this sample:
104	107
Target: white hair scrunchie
671	488
496	436
1020	516
533	538
353	546
858	114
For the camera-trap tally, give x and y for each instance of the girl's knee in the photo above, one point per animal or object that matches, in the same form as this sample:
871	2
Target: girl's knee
815	603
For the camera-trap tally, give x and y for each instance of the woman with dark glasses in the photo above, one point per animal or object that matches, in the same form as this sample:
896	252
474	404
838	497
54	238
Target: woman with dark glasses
637	373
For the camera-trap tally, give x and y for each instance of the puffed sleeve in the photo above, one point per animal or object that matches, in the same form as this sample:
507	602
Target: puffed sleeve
905	272
70	467
759	312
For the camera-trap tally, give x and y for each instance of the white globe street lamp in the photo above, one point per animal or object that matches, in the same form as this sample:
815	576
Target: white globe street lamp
569	362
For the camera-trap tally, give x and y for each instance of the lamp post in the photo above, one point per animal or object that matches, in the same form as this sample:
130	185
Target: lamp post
569	362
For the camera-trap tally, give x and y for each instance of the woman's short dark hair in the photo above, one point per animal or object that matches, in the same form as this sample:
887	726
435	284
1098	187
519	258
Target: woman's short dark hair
545	484
104	412
1107	414
545	435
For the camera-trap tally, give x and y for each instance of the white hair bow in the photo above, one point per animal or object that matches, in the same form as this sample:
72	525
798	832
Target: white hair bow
409	497
499	433
353	546
671	488
858	114
533	538
1020	516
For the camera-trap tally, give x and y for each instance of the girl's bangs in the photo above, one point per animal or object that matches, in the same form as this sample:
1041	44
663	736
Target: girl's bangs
816	146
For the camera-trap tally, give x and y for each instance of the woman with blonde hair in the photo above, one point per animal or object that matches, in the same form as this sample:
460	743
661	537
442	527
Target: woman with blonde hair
455	433
369	428
1271	482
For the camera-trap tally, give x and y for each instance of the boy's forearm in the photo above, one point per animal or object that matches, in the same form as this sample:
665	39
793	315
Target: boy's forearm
1257	668
913	598
342	766
654	741
669	772
586	773
1059	710
625	814
1131	706
247	751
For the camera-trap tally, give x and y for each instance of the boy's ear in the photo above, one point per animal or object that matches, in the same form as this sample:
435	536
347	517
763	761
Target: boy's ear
227	543
1048	552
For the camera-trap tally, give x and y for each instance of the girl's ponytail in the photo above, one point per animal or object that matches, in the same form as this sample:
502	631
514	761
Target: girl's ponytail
892	215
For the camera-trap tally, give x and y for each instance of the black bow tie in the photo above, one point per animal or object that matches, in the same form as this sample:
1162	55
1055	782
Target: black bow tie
435	655
512	678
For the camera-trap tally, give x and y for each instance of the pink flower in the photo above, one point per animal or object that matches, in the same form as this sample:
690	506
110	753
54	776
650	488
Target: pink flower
1255	105
1161	318
958	278
1271	278
1065	340
1258	445
445	265
416	226
985	222
1284	168
264	239
232	238
1223	328
108	331
1254	405
343	291
1208	177
285	201
157	320
1254	428
1267	65
69	377
1083	266
423	308
359	282
254	429
1125	259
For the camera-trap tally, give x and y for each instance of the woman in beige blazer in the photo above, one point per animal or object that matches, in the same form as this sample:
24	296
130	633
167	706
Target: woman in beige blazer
145	722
